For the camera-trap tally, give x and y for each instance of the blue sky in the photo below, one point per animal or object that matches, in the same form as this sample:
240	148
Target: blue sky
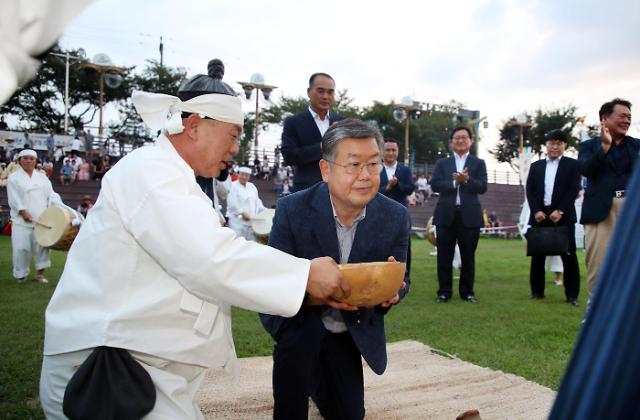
501	57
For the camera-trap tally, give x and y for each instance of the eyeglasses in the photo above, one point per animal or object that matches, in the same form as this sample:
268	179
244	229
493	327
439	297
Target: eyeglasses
374	168
461	138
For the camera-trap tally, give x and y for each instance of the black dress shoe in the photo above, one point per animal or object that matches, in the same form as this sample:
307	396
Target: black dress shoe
573	302
442	299
536	296
471	299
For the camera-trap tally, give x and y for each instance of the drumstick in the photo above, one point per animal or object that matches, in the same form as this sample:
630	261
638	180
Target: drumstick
43	225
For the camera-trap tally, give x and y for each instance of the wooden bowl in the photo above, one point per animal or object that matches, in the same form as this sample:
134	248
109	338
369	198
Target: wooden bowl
372	283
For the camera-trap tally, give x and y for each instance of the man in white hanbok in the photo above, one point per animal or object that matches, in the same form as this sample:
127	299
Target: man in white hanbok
243	204
30	193
154	274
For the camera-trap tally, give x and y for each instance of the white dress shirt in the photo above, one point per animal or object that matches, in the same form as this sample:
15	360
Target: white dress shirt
390	170
460	162
331	317
152	270
323	125
550	178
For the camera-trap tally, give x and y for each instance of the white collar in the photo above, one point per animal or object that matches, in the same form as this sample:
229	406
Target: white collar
556	160
316	116
455	155
164	143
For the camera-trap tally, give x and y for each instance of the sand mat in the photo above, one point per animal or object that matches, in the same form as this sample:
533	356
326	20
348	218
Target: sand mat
418	384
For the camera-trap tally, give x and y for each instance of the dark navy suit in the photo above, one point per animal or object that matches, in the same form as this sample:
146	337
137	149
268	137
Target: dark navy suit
459	224
565	191
402	189
301	147
307	360
604	177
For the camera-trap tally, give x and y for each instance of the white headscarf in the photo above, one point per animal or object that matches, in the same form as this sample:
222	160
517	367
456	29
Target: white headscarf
27	152
159	111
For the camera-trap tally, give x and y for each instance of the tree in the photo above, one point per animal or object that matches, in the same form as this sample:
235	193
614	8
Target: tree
289	105
428	131
40	103
154	78
538	124
342	105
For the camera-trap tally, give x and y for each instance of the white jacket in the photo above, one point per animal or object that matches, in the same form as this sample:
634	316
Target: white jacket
152	271
31	193
242	199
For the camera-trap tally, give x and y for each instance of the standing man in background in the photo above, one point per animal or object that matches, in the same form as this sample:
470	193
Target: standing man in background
458	215
302	132
552	187
607	162
396	181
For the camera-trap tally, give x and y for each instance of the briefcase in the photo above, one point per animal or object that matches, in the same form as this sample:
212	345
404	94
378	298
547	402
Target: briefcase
547	240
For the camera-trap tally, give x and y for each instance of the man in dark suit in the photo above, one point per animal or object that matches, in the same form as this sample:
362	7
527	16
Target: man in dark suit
553	185
318	352
458	216
396	181
607	162
302	132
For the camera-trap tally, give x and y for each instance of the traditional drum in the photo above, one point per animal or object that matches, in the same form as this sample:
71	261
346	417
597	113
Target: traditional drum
431	231
261	225
372	283
54	228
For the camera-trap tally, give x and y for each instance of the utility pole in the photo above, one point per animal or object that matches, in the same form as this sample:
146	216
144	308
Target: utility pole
67	58
161	51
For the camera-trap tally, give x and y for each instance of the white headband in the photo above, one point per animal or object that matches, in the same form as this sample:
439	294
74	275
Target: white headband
159	111
27	152
244	170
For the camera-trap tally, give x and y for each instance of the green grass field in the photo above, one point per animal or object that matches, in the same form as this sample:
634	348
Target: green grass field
505	330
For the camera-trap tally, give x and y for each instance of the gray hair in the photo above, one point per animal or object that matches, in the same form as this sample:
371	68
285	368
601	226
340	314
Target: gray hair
348	129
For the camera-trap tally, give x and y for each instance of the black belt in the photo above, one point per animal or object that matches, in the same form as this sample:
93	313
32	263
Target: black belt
618	194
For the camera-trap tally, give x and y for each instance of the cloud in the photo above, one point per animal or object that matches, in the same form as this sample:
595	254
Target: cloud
499	56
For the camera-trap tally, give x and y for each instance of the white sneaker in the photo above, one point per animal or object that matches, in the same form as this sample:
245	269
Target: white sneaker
42	280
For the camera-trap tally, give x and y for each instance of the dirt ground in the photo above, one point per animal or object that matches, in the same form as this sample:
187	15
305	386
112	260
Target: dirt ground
418	384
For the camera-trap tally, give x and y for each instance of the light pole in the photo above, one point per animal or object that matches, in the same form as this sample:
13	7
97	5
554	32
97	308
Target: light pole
109	74
257	83
521	120
68	57
402	112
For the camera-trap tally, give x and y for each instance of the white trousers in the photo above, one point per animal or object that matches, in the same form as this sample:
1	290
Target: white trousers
23	243
176	385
